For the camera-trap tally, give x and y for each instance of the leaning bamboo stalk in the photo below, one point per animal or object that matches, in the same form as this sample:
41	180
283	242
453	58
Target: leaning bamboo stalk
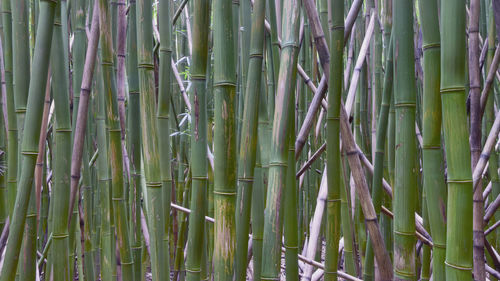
381	255
301	257
490	211
358	66
322	87
490	78
485	153
30	139
83	105
21	60
314	227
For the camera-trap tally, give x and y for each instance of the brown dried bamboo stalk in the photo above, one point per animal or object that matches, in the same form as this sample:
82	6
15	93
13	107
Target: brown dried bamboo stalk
485	154
371	221
490	211
489	79
81	122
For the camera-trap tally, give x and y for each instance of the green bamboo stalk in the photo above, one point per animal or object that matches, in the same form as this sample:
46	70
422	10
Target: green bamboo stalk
333	168
30	139
163	116
425	274
350	261
291	242
114	140
259	189
248	138
224	142
134	140
104	186
434	185
279	140
150	145
198	130
380	150
459	208
405	184
21	61
12	141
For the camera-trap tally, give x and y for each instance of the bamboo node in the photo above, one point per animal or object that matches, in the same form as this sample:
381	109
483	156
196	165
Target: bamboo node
224	193
463	268
451	90
404	233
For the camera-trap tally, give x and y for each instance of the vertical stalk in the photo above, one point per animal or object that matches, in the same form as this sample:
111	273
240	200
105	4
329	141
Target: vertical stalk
12	141
433	166
134	141
163	116
224	142
333	165
198	130
114	141
248	139
459	207
279	140
150	145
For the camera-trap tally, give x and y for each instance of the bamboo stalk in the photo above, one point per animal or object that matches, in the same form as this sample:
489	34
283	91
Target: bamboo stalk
248	138
279	140
30	138
83	105
459	220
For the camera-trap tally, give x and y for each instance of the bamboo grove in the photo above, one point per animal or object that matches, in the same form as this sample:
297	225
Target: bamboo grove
235	140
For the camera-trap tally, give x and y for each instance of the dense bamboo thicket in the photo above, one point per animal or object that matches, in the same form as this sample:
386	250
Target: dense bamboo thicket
235	140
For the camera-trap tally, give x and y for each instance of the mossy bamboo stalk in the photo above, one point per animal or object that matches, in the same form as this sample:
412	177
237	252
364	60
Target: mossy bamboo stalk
225	141
134	141
198	131
333	214
104	179
12	141
459	207
30	139
150	145
279	140
114	140
248	142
